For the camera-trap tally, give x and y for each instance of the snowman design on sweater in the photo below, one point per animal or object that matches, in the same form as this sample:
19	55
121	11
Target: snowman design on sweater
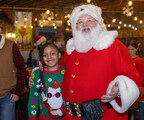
53	100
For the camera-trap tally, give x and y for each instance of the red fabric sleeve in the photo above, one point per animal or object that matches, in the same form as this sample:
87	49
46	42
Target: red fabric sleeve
21	71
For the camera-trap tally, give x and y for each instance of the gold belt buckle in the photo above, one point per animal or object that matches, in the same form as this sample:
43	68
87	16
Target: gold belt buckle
78	111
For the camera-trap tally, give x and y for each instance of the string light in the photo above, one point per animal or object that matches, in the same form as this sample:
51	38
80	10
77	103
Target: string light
68	15
140	21
108	25
35	19
53	24
114	20
130	3
13	35
135	18
120	22
48	11
88	1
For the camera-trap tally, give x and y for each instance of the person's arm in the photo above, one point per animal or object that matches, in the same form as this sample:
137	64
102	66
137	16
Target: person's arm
21	71
125	80
33	101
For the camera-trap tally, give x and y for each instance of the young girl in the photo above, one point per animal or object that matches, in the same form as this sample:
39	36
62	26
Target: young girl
137	61
45	94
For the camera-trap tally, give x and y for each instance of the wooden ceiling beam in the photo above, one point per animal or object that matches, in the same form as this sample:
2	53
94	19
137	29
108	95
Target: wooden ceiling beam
6	2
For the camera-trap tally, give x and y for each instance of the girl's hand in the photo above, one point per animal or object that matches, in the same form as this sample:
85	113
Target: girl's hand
43	96
111	96
30	83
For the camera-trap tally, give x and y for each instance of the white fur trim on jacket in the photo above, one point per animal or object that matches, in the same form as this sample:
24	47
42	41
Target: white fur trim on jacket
2	42
104	41
129	93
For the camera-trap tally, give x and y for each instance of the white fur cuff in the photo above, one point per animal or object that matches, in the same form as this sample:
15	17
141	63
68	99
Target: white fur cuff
129	93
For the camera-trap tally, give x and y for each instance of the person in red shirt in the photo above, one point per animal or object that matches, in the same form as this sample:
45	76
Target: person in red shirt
137	61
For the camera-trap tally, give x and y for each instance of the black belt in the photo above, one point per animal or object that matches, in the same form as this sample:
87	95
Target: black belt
75	109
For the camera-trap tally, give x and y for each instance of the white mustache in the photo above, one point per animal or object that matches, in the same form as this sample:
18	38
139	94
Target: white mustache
85	28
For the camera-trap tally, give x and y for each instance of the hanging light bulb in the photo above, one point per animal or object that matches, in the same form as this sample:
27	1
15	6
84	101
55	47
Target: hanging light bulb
130	3
35	19
48	11
31	26
135	18
53	24
9	35
108	25
125	25
114	20
49	18
135	28
120	22
13	35
129	14
88	1
25	19
140	21
25	26
68	15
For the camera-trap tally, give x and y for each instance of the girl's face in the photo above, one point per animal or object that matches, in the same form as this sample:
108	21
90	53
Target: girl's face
51	57
132	50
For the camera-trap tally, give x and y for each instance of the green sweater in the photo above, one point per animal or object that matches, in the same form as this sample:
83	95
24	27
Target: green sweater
50	102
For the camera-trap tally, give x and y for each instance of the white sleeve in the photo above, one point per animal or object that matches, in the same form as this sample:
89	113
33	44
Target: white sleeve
129	93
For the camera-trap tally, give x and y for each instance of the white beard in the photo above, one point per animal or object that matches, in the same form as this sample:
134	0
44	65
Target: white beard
84	42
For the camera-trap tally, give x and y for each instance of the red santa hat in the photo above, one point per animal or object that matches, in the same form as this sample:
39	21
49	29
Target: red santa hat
38	40
89	9
56	85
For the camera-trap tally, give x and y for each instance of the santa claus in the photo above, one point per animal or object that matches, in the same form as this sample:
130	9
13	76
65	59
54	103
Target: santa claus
99	71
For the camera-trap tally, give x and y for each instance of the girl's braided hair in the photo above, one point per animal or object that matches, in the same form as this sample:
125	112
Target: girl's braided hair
41	52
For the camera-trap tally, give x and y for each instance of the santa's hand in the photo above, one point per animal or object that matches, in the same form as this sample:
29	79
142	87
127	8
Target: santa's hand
112	95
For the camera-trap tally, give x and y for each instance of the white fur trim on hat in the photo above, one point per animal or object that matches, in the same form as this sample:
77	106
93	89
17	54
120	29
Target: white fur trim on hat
2	42
129	93
42	39
89	9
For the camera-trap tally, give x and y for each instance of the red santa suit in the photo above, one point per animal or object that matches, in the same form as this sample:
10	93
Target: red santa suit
93	68
88	75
